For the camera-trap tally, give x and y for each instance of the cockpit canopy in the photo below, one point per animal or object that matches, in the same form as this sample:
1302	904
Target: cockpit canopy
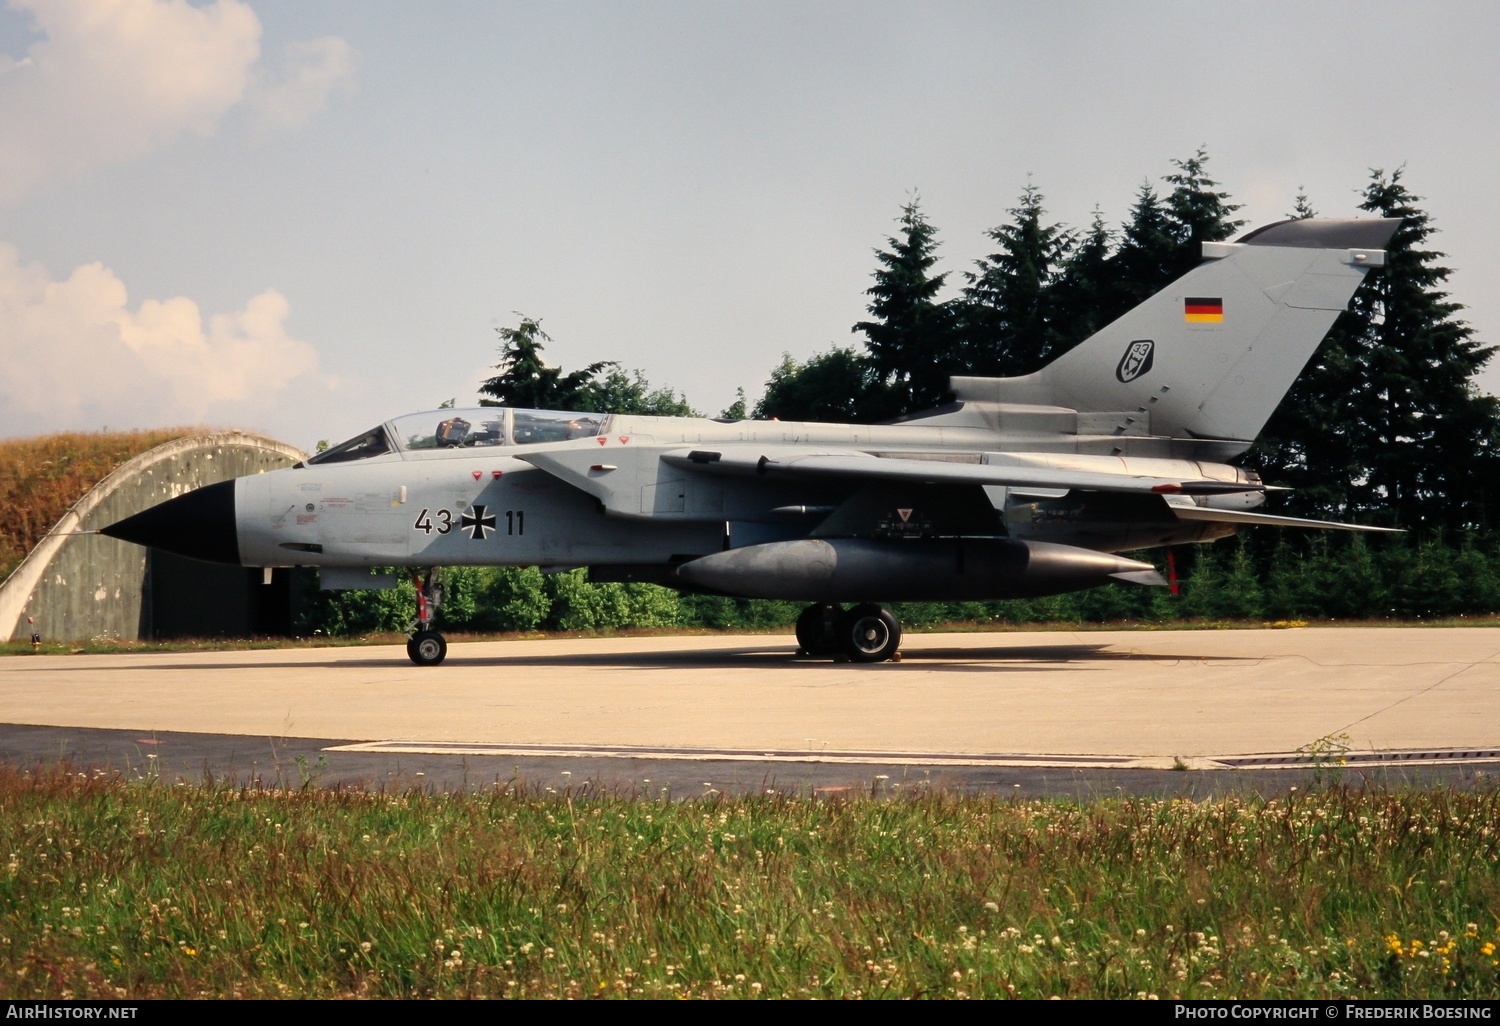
458	429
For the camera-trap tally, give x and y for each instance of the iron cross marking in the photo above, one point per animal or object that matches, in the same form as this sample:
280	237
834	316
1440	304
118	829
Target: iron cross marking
477	522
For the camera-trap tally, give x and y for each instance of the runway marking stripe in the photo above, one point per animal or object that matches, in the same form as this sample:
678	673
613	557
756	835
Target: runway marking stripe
1269	760
728	754
1293	759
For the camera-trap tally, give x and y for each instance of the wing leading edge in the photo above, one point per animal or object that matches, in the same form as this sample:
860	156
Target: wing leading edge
793	463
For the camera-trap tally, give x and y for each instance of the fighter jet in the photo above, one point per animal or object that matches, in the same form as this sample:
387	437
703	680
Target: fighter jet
1020	487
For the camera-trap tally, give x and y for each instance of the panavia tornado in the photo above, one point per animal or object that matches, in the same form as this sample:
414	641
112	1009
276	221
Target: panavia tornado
1020	487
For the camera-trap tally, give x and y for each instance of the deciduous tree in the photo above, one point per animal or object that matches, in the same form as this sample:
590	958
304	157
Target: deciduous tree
836	386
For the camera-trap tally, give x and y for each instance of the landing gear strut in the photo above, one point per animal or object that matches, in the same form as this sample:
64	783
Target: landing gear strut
426	646
866	633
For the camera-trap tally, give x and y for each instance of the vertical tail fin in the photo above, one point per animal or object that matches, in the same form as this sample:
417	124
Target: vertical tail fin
1212	354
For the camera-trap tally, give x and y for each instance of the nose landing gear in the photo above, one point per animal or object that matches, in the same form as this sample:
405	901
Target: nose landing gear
425	646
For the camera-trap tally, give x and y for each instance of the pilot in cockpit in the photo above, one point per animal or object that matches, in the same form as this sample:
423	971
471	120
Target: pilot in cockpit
581	427
452	432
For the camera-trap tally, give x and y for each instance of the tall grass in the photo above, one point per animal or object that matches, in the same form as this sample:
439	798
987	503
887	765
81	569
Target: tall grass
141	890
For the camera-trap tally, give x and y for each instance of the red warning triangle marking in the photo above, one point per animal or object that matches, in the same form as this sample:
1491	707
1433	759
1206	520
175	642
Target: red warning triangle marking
496	474
602	439
624	439
477	474
905	514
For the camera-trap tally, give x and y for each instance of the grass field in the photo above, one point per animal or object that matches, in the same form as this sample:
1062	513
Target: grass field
140	890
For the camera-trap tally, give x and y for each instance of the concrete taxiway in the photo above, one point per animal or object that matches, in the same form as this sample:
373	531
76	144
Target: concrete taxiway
963	704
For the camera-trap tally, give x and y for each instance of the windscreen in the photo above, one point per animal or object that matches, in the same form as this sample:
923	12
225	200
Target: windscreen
360	447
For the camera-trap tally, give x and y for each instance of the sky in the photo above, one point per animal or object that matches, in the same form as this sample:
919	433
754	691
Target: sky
304	219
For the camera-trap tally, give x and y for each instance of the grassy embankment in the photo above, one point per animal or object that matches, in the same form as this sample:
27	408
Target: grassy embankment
139	890
41	478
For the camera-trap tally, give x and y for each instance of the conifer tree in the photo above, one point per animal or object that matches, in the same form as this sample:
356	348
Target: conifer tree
1143	264
1080	295
1386	423
1302	209
1433	432
1006	306
526	381
1163	239
910	339
1196	212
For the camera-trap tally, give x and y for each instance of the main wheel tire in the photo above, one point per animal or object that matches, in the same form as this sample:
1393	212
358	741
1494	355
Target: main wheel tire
869	634
817	632
426	648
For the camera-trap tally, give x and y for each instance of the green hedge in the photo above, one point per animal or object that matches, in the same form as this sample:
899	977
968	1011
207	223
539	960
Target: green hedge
1309	577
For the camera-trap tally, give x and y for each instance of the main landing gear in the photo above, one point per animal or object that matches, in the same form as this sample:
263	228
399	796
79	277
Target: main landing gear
863	634
426	646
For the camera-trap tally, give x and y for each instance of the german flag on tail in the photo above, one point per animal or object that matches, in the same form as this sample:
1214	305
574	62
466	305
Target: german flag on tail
1200	310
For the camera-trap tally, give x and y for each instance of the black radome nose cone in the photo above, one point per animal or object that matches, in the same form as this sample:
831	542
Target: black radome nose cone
199	525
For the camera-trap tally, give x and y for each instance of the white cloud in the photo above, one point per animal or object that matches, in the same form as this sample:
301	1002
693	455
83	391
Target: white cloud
76	355
110	80
298	91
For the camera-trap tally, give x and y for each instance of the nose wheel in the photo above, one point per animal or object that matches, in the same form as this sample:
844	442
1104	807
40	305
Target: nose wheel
426	647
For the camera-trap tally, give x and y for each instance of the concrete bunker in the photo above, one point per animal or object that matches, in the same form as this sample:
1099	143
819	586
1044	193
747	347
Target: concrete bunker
75	585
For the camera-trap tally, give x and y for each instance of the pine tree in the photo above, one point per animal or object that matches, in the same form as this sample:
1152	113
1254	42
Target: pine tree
1163	239
1433	432
1142	266
1386	422
525	380
1080	295
1006	324
910	341
1302	209
1196	213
